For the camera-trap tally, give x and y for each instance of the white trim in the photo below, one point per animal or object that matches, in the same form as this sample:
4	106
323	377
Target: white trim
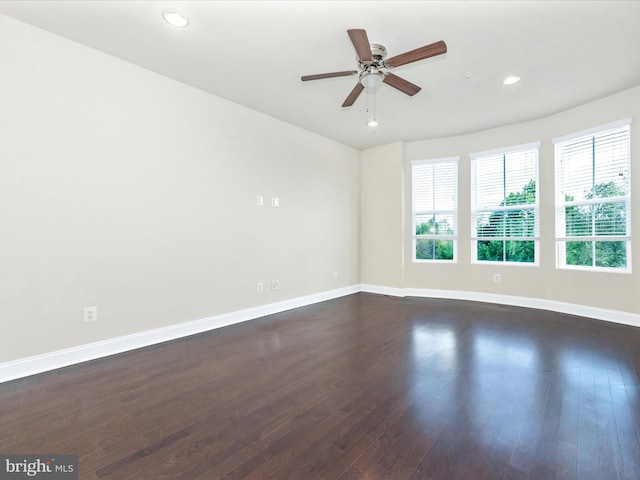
71	356
382	290
503	150
594	269
436	160
590	131
82	353
505	263
615	316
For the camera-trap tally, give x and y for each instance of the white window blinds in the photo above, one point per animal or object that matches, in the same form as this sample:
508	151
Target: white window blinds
593	198
505	205
434	188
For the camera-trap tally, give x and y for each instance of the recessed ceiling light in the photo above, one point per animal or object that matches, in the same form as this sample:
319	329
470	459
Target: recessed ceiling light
175	18
511	80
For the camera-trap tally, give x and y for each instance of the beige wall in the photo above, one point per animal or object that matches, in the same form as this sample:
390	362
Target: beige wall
613	291
126	190
381	220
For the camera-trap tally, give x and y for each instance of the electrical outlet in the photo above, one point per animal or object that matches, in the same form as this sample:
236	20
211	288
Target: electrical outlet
497	278
90	314
260	287
275	284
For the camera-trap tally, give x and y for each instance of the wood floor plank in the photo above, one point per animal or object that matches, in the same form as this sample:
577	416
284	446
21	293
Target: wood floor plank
361	387
567	445
627	432
608	442
588	459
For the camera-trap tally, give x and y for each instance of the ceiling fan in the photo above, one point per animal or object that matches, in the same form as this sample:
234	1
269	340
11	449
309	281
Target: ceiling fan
373	63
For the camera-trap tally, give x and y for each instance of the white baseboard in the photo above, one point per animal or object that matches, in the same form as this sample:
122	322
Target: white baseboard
62	358
382	290
615	316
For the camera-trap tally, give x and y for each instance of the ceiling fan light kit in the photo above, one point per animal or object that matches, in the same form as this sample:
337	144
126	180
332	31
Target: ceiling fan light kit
373	66
372	79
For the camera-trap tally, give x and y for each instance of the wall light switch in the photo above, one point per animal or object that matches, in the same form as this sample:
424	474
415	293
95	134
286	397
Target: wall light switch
275	202
260	200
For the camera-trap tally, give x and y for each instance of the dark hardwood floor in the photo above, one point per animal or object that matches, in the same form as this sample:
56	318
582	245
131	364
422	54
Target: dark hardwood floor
361	387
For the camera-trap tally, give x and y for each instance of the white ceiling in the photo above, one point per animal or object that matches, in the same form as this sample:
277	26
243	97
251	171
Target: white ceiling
253	53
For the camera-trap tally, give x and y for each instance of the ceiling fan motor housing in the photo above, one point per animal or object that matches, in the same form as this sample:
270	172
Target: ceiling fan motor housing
379	52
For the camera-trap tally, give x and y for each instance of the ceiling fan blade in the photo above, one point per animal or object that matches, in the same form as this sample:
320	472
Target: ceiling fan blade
361	43
401	84
437	48
357	90
319	76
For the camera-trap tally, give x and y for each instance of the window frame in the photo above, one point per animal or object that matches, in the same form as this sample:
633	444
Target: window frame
476	210
454	161
561	238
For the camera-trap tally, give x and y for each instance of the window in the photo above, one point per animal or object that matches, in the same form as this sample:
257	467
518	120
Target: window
593	199
434	188
504	210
